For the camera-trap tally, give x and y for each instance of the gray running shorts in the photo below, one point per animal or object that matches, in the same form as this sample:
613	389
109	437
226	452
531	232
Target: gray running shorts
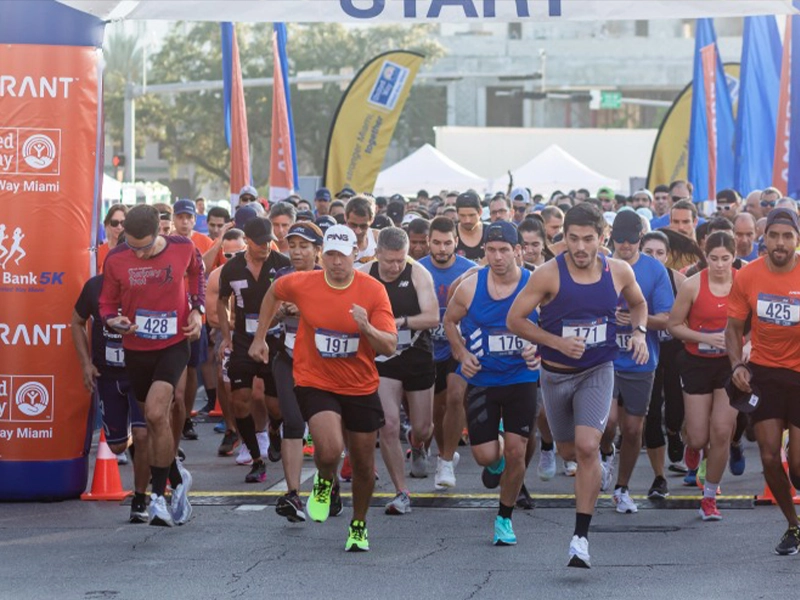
632	391
582	398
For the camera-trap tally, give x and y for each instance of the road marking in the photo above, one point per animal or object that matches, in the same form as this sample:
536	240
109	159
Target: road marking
305	475
251	507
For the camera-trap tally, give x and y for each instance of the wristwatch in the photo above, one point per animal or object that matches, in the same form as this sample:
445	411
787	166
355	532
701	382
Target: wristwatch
642	329
199	308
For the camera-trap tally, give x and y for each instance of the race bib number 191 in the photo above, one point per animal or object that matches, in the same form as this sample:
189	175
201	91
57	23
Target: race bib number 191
335	344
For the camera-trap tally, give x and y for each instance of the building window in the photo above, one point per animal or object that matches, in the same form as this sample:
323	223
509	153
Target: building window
503	107
642	28
515	31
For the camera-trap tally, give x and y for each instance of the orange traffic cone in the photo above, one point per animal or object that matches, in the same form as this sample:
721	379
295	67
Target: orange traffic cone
106	484
217	412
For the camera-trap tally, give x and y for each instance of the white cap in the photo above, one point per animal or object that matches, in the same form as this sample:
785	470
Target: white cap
609	216
339	238
408	218
525	195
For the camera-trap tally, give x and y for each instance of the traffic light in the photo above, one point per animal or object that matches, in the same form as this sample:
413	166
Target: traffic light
118	160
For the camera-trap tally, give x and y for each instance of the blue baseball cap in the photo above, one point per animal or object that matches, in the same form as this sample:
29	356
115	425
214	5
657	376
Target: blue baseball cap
305	231
502	231
323	194
243	215
184	207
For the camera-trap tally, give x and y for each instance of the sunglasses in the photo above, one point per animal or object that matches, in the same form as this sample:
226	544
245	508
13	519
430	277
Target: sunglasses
728	206
165	217
626	239
141	248
361	226
229	255
246	199
520	208
770	203
116	222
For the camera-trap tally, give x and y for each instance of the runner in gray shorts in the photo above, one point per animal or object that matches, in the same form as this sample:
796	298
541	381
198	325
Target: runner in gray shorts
632	391
575	398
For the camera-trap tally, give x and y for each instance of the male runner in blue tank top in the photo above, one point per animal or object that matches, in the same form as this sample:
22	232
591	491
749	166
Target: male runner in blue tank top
577	295
499	368
633	383
445	266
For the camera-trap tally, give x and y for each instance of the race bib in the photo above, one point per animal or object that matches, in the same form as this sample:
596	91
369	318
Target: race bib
708	349
778	310
505	343
251	323
403	339
623	339
115	355
290	326
438	335
155	325
664	335
335	344
594	332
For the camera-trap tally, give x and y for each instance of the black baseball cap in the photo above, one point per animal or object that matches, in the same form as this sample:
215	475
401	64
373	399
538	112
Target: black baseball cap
744	402
259	230
781	216
395	211
324	221
627	227
502	231
345	193
469	199
302	230
382	222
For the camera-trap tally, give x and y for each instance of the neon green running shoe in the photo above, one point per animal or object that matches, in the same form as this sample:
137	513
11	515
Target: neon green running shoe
357	540
701	473
318	506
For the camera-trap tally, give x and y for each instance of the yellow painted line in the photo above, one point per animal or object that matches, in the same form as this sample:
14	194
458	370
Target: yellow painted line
476	496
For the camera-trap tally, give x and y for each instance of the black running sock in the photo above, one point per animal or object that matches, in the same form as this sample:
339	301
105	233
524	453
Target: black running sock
159	479
624	488
606	454
211	394
139	498
275	425
547	446
582	521
175	475
247	431
505	511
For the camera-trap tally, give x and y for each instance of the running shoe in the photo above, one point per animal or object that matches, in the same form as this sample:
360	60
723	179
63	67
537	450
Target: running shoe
229	443
263	443
623	502
503	532
579	553
308	449
607	469
258	472
139	510
336	500
346	473
446	473
186	477
274	452
490	476
790	542
524	500
319	502
675	447
244	458
419	463
547	465
659	489
188	430
701	473
400	504
736	462
709	511
158	512
181	454
570	466
678	467
122	458
181	508
291	506
690	479
357	540
207	408
691	458
220	427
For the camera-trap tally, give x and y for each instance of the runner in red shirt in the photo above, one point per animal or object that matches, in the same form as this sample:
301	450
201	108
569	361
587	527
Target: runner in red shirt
145	298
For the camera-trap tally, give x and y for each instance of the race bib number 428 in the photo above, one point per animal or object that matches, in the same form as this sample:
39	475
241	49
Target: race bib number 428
778	310
155	325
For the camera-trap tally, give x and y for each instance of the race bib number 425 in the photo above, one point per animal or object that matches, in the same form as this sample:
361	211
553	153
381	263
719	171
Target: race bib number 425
778	310
155	325
594	332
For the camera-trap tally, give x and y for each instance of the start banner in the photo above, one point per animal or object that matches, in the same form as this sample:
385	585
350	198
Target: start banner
49	121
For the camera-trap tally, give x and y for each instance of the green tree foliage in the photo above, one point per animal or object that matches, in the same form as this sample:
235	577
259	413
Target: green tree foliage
189	125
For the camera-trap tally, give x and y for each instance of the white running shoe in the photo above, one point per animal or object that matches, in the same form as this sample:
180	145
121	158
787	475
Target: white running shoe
570	466
419	463
181	508
122	458
244	458
185	475
579	553
624	502
445	475
547	465
159	512
400	504
263	443
607	468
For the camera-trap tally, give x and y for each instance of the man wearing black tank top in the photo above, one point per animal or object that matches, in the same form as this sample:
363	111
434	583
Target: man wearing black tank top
410	370
577	296
470	227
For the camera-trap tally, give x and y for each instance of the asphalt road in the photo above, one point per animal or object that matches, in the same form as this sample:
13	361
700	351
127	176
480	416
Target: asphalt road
235	546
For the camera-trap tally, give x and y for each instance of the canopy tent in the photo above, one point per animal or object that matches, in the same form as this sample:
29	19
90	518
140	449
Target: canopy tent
427	169
555	169
423	11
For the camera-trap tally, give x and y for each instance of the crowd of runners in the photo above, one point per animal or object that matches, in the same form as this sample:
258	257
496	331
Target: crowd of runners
580	326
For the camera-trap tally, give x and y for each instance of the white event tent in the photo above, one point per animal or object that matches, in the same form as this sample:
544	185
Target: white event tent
427	169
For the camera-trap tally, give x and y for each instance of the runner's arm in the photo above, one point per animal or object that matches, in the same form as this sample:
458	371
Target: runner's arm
197	280
428	318
680	313
531	296
81	340
457	309
734	333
